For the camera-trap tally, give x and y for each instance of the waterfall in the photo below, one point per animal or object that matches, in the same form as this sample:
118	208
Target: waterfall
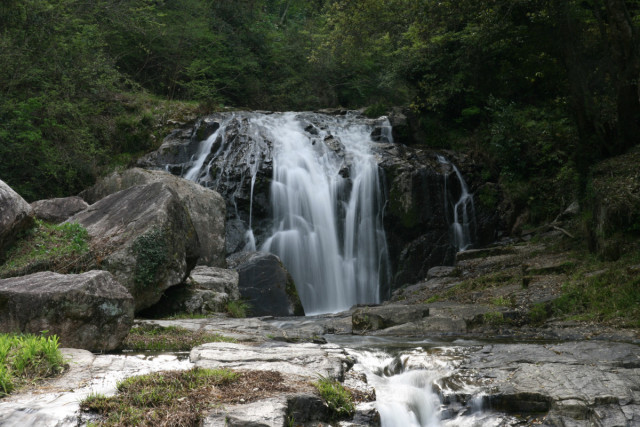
464	217
325	196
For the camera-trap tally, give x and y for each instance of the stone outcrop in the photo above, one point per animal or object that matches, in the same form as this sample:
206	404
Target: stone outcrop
16	215
267	286
380	317
205	207
207	290
148	237
59	209
90	310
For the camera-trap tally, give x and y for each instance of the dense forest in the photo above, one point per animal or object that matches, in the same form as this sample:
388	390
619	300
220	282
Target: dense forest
538	90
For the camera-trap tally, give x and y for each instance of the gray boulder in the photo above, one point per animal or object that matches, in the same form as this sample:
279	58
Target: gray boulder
206	207
147	237
267	286
216	279
90	310
58	210
16	215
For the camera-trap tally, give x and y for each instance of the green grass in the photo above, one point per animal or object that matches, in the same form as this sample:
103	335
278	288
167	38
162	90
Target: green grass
613	296
494	318
171	338
62	248
178	398
238	309
27	358
338	399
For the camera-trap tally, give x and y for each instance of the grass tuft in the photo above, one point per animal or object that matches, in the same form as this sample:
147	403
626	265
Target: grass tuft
238	309
62	248
339	399
171	338
27	358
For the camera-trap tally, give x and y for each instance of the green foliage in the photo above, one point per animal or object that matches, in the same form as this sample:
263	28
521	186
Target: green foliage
151	251
26	358
62	248
494	318
238	309
175	397
612	296
171	338
339	399
538	313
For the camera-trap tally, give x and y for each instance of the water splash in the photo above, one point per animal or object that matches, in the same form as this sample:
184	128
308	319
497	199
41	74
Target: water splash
463	225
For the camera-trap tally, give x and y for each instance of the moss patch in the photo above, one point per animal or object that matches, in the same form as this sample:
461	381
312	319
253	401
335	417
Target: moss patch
172	338
151	251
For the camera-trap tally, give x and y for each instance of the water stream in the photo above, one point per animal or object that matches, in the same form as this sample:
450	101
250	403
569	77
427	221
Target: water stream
463	225
326	201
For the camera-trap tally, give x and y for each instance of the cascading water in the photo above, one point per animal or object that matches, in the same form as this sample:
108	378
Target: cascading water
326	201
464	216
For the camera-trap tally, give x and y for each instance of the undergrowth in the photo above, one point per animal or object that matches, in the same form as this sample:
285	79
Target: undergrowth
62	248
27	358
171	338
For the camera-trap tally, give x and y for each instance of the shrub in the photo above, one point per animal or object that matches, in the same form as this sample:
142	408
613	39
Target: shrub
339	399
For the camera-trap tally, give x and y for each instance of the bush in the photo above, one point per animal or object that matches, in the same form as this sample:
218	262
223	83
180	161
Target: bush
339	399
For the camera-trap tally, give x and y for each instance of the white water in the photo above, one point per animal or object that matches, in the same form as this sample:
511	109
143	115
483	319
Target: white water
405	383
327	229
463	224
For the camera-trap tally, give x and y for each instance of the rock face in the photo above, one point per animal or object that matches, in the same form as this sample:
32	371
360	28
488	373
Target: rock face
148	237
90	310
421	191
267	286
58	210
205	207
15	215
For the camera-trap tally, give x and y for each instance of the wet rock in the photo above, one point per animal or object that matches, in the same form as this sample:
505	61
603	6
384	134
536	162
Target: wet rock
147	236
267	286
58	210
16	215
90	310
441	272
205	207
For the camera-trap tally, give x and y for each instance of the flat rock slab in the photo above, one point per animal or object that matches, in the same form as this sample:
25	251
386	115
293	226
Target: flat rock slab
57	402
216	279
308	361
577	383
90	310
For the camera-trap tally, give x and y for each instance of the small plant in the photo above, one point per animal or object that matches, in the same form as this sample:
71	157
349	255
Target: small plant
339	399
501	301
171	338
494	318
434	298
25	358
151	251
238	309
538	313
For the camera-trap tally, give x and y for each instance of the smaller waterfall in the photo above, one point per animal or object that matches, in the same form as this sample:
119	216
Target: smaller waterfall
463	225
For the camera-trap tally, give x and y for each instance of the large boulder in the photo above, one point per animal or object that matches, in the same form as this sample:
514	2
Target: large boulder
147	236
59	209
90	310
16	215
206	207
267	286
